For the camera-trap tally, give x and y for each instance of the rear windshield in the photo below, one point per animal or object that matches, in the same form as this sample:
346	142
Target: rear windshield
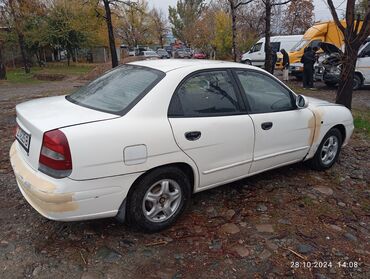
118	90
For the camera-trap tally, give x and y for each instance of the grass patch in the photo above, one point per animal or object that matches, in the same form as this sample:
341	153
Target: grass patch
361	120
18	76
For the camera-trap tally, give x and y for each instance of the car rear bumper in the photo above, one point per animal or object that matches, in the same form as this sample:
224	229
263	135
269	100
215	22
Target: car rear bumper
66	199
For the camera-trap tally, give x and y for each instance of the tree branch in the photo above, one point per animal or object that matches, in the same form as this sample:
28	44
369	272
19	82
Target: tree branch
281	3
242	3
335	16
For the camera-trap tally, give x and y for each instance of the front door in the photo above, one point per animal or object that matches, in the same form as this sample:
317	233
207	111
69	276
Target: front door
363	63
283	134
208	125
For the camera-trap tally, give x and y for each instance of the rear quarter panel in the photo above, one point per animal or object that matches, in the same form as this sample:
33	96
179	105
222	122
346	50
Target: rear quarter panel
98	148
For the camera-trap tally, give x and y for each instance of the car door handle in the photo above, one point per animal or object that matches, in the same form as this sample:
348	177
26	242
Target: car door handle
266	125
193	135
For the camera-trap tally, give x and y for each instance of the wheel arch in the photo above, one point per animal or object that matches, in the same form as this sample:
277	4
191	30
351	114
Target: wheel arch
185	167
360	75
342	131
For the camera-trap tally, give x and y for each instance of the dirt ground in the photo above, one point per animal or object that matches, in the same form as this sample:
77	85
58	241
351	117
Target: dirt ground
288	223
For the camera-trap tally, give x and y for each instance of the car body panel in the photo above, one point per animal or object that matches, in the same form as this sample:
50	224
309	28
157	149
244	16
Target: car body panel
287	125
38	116
110	152
223	151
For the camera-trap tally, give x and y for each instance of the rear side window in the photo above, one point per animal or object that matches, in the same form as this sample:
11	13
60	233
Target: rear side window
205	94
118	90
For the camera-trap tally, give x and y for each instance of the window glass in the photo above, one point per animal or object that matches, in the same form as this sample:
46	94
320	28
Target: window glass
302	43
205	94
275	46
117	89
263	93
315	43
256	47
366	51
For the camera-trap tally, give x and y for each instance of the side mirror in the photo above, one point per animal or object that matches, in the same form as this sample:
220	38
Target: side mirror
301	102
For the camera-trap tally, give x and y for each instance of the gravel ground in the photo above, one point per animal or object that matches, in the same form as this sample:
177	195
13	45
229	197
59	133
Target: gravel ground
290	222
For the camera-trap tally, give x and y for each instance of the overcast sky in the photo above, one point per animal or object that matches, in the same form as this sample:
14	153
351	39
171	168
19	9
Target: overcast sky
321	9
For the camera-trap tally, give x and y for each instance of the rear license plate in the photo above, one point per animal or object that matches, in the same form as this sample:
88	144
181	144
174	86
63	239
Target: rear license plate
23	138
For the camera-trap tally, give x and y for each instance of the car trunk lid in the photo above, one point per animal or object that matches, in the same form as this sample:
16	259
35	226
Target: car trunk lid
41	115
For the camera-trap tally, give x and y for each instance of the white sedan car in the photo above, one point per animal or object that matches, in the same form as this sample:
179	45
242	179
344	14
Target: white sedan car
138	141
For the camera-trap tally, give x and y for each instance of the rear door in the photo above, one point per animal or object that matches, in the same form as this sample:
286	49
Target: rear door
210	125
283	134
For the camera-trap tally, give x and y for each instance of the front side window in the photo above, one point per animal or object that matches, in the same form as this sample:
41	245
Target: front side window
366	51
264	94
315	43
205	94
302	43
118	89
256	47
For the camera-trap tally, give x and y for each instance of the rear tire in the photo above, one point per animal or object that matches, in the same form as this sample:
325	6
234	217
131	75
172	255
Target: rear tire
328	151
158	199
357	82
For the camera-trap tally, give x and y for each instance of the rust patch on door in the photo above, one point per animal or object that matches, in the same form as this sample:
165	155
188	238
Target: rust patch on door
314	124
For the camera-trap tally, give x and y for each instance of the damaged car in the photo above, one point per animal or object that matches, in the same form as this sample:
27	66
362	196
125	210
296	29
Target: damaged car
330	65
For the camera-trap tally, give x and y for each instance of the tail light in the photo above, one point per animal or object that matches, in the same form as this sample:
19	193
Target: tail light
55	156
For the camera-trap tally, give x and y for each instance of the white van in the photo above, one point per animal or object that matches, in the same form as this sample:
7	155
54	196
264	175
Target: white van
256	55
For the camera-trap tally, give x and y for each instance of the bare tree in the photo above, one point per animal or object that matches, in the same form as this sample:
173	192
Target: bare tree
268	7
354	36
108	19
298	17
234	5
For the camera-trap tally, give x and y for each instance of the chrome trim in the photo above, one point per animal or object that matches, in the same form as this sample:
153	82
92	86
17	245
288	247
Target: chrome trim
227	166
281	153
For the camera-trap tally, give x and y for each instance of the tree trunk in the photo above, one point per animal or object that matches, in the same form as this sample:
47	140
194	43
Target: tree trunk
233	19
345	88
2	66
268	58
112	44
22	47
20	37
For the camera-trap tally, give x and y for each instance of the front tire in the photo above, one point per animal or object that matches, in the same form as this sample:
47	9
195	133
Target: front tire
327	153
158	199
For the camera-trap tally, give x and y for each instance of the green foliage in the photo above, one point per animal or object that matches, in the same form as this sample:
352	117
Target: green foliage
362	122
183	18
18	76
223	36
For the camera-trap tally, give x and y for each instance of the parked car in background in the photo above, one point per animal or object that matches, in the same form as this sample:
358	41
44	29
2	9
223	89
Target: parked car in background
169	50
320	32
330	64
139	140
182	53
199	55
163	53
131	52
149	54
256	55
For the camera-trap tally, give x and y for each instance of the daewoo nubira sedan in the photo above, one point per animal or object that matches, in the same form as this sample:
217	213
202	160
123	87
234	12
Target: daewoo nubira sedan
139	140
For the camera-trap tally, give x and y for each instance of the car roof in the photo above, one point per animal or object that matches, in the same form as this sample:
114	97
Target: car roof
173	64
